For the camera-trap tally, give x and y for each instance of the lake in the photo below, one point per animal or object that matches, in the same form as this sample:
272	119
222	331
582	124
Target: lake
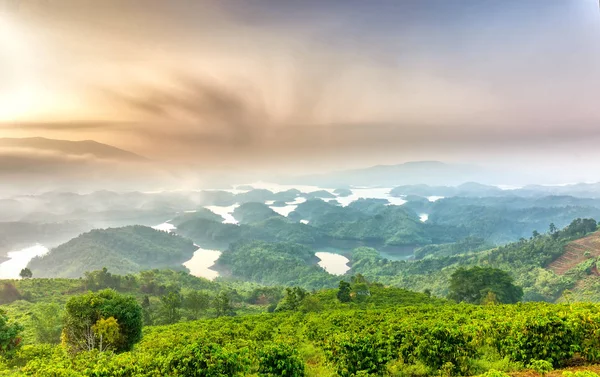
201	263
19	259
335	264
226	212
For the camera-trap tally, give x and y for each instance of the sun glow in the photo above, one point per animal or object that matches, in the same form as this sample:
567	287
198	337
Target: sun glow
19	93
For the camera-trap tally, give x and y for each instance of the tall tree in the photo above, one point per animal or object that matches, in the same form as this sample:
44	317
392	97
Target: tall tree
171	307
343	293
222	305
26	273
473	285
197	302
47	320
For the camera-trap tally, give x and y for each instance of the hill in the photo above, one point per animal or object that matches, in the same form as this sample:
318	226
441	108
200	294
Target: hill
67	147
122	250
417	172
576	252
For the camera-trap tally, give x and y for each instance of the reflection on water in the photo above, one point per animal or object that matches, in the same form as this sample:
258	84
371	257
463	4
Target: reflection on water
201	262
424	217
335	264
304	221
225	212
19	260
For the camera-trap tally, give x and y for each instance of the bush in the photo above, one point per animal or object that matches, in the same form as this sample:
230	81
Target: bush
10	335
207	360
280	360
87	316
541	366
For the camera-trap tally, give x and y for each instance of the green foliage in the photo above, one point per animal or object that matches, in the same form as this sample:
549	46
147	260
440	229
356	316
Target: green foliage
343	293
122	250
47	322
26	273
10	338
474	285
580	373
495	373
249	213
197	302
402	341
276	264
222	305
85	311
279	359
292	299
208	360
356	353
170	309
541	366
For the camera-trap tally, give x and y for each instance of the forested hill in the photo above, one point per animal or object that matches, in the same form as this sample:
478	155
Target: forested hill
533	262
125	250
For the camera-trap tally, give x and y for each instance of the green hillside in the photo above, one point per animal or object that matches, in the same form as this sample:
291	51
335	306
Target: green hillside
123	250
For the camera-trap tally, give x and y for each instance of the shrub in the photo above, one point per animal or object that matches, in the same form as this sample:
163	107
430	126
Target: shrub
280	360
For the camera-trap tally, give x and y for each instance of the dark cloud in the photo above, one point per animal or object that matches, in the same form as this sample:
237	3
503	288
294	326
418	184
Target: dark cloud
200	108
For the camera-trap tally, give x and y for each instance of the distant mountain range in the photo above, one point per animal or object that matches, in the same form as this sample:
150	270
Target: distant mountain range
419	172
71	148
30	165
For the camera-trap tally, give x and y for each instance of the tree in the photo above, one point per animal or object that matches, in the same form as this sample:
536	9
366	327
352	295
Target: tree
107	333
146	310
473	285
197	302
361	291
552	228
26	273
535	234
10	335
171	305
47	320
86	318
292	299
222	305
343	293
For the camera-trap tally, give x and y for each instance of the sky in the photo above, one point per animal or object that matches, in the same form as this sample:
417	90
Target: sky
308	85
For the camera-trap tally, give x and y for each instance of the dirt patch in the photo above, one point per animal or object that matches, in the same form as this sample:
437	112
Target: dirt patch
576	252
558	372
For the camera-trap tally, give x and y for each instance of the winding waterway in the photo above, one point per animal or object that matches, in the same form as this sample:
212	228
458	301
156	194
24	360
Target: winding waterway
19	259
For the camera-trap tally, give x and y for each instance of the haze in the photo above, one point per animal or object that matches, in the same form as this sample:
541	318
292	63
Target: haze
312	86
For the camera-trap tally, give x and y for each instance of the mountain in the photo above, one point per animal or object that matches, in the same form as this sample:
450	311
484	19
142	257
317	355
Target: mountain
33	165
71	148
418	172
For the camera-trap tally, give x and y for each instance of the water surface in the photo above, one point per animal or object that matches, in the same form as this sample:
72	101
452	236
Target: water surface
202	261
226	212
335	264
19	259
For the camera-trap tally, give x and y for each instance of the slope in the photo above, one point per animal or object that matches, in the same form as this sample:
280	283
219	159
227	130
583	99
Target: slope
122	250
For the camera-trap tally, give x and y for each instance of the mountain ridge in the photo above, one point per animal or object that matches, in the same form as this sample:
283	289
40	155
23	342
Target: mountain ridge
72	147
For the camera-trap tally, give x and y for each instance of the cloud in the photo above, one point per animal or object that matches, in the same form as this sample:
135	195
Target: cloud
84	125
208	110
